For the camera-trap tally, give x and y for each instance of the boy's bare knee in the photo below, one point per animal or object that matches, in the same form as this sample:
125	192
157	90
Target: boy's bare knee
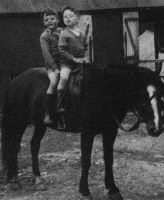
53	85
62	84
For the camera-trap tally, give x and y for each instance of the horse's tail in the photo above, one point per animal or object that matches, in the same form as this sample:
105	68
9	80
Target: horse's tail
10	143
5	137
5	112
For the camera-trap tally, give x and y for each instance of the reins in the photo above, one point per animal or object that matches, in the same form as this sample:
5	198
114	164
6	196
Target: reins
134	127
137	114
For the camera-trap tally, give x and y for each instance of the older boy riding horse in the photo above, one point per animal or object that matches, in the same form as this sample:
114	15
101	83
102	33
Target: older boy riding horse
105	91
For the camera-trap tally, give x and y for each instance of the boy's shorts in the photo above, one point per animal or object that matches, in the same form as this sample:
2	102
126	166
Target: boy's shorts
71	66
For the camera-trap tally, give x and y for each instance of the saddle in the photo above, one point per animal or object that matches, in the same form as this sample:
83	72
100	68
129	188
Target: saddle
70	118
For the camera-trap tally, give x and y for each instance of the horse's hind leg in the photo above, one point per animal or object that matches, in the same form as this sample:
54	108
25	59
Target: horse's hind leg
35	147
86	149
11	139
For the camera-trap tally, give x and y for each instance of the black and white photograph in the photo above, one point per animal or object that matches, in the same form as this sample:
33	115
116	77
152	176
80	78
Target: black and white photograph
81	99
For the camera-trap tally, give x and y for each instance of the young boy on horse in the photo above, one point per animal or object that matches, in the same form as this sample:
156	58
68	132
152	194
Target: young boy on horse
72	48
49	44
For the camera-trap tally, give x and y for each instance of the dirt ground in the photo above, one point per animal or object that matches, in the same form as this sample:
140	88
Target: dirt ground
138	167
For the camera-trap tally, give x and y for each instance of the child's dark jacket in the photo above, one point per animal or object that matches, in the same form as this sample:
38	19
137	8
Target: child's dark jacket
71	46
49	45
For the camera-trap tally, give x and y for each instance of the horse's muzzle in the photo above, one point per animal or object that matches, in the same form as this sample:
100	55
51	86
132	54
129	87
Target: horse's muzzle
153	130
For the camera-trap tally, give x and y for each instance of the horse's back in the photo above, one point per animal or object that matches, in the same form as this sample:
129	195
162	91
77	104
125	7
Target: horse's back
28	81
24	91
29	78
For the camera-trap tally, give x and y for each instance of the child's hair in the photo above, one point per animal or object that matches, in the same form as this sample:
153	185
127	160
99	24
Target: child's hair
69	8
49	11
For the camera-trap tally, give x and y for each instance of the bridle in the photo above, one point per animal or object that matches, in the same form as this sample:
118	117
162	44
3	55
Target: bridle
137	113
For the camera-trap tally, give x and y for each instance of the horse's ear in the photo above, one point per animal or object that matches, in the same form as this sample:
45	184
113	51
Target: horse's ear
158	67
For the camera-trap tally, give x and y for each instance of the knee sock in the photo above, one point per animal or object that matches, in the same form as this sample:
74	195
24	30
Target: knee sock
51	104
60	98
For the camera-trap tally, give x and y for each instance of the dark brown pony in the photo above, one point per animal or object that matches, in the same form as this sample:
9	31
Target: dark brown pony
105	92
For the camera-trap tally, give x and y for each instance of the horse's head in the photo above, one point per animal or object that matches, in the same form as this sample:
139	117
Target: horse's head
150	105
150	111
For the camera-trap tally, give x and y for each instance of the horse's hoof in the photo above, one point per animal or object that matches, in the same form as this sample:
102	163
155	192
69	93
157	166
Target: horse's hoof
115	196
13	186
89	197
85	193
39	184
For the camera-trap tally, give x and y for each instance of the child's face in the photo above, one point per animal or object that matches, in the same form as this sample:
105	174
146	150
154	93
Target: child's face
50	21
70	18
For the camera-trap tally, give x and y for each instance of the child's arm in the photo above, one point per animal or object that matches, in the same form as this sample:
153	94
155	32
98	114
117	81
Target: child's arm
63	44
46	52
64	54
86	57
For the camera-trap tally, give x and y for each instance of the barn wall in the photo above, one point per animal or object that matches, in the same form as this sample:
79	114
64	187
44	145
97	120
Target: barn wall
19	47
108	38
19	43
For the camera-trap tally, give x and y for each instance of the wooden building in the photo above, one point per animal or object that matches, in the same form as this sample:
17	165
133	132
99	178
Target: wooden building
116	26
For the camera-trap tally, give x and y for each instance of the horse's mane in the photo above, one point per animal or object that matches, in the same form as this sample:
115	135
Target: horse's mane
138	75
143	74
124	80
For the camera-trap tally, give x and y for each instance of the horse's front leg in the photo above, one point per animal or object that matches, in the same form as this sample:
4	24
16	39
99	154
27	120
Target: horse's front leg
35	146
86	149
109	135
